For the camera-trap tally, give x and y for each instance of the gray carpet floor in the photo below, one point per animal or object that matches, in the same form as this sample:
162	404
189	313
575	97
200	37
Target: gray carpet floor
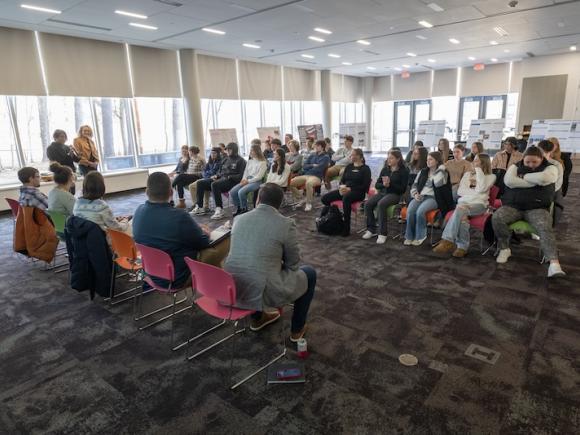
72	366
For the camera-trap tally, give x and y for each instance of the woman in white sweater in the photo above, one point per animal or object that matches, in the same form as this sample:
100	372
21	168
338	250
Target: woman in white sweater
280	170
251	179
473	200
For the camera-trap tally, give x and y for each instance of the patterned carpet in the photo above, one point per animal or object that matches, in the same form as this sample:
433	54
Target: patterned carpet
69	365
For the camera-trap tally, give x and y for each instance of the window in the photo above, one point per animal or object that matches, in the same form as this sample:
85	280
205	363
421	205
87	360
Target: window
228	114
272	114
345	113
470	108
447	108
32	122
511	113
408	114
252	120
9	160
382	126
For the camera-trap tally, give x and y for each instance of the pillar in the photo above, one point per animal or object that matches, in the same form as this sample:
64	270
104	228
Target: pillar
190	86
326	96
368	89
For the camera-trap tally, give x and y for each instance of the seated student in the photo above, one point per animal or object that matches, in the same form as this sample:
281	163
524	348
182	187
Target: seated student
91	206
229	175
179	236
182	163
280	169
417	164
313	168
391	185
276	143
264	260
60	199
418	144
307	149
354	185
287	138
30	195
476	148
431	190
252	178
457	167
293	157
443	148
329	149
548	148
267	150
222	147
193	173
211	169
58	151
473	200
565	160
339	161
530	187
508	156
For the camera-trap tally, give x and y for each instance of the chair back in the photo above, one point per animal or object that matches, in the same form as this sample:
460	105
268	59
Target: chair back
212	282
156	262
122	244
58	220
14	206
493	193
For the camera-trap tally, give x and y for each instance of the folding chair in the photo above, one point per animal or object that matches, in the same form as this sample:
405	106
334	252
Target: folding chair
125	257
59	221
430	216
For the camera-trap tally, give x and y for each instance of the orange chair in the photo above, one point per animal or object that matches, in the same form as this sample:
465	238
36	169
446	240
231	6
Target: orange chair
125	257
430	216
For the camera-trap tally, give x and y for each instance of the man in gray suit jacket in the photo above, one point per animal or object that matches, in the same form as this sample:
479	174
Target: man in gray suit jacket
264	261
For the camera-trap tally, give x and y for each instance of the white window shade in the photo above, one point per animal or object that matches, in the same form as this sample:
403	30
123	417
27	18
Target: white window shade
260	81
155	72
217	77
85	67
301	84
382	89
346	89
445	83
493	80
415	87
20	73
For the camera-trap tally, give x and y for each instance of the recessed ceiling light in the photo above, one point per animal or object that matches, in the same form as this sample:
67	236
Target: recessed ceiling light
247	45
336	56
493	42
506	50
216	31
131	14
411	54
347	63
431	60
572	48
471	58
363	42
321	30
397	68
500	31
435	7
561	24
493	59
421	37
307	56
406	66
426	24
40	9
316	38
372	68
454	41
143	26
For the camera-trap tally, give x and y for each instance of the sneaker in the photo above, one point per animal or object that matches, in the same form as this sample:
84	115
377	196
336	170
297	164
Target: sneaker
299	204
308	207
418	242
555	271
368	235
295	336
535	236
503	255
459	253
265	320
195	210
408	242
218	214
381	240
444	247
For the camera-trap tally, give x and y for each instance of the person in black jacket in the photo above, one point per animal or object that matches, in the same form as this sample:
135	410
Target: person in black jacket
390	186
61	153
566	161
353	187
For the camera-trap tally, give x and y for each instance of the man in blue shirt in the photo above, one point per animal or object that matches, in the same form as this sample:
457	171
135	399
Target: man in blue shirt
314	167
159	225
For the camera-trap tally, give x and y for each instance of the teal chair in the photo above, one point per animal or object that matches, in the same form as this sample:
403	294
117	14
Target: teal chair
59	221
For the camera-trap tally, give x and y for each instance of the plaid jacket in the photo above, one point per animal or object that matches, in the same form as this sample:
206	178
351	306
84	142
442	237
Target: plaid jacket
32	197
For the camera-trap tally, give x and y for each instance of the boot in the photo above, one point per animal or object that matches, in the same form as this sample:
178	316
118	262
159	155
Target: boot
181	204
444	247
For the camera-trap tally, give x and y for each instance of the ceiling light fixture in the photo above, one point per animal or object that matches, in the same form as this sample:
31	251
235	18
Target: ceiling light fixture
431	60
435	7
216	31
406	66
397	68
454	41
247	45
493	43
421	37
506	50
500	31
335	56
471	58
572	48
321	30
347	63
143	26
426	24
131	14
493	59
363	42
307	56
411	54
316	38
40	9
371	68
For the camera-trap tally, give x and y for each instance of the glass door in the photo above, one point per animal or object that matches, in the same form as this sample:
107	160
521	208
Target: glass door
422	112
469	109
408	114
494	107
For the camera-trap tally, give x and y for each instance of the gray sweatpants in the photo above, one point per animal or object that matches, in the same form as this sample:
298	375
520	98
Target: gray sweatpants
538	218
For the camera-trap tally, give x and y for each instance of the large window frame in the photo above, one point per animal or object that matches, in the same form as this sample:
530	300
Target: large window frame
412	119
482	112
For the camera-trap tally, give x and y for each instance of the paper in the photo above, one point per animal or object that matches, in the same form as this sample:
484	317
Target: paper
223	135
357	131
487	131
567	132
307	131
429	132
268	132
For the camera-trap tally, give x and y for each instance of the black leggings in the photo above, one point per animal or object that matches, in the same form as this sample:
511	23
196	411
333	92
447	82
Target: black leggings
184	180
347	201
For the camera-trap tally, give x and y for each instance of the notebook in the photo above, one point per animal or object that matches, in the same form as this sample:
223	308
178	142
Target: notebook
286	373
219	234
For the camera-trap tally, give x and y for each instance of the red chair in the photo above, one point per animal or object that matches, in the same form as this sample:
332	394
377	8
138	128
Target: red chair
159	264
14	207
217	291
355	206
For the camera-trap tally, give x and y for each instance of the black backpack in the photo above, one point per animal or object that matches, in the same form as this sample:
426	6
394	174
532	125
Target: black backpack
330	221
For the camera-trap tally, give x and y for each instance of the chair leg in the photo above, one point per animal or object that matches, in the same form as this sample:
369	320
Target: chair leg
156	322
217	343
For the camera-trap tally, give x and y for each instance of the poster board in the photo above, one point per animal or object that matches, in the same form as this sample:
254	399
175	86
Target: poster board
429	132
307	131
487	131
265	132
567	132
355	129
223	135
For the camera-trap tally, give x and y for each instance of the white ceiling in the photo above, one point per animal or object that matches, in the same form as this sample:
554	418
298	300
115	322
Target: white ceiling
282	27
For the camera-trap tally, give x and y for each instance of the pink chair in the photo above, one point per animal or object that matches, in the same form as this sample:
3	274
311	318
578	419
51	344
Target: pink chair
355	206
159	264
14	207
217	291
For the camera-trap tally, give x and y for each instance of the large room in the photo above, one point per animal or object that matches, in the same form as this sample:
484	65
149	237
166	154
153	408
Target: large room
289	216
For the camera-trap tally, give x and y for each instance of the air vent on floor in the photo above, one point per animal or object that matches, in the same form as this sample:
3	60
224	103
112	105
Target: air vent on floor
169	2
374	53
71	23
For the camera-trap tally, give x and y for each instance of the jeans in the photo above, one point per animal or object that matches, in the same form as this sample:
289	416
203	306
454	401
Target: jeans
416	220
239	193
183	180
302	304
380	202
457	228
347	201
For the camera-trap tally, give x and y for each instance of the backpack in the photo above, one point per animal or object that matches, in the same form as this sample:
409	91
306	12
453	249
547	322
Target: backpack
330	221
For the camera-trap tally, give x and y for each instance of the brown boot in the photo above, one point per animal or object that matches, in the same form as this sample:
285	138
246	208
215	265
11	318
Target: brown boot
459	253
444	247
265	320
181	204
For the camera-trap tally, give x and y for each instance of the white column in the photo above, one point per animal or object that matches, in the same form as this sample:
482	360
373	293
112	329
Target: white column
190	86
326	96
368	89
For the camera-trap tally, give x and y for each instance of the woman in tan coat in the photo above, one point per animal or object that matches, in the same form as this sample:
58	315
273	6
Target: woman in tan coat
86	151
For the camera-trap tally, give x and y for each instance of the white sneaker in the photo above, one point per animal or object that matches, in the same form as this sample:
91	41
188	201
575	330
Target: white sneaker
535	237
299	204
503	255
368	235
195	210
308	207
408	242
555	270
218	214
381	240
418	242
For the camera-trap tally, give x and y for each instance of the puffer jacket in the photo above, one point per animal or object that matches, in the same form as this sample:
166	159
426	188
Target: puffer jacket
34	234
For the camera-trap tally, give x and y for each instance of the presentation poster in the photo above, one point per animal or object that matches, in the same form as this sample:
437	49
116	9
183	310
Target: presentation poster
429	132
357	131
310	131
223	135
265	133
567	132
487	131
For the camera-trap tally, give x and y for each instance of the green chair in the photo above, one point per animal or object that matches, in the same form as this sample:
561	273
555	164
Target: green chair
524	227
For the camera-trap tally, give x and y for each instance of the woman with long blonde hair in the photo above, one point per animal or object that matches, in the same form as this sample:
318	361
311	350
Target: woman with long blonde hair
86	150
251	179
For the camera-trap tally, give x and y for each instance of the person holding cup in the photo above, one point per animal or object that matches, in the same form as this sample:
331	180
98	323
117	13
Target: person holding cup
354	185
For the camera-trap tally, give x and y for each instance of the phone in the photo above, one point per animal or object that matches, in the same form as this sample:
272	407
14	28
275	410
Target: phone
288	373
